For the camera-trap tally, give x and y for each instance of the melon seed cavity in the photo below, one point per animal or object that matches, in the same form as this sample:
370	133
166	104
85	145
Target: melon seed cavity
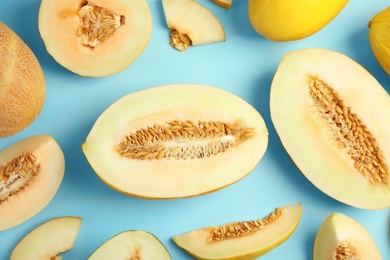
346	251
16	174
238	229
182	140
97	24
349	132
179	41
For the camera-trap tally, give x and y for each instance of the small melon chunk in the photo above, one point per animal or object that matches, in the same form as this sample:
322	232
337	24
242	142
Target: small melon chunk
132	244
330	115
223	3
341	237
96	37
191	24
31	172
22	83
49	240
242	240
176	141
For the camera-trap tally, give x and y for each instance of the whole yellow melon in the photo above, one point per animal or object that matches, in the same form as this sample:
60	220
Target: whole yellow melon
22	84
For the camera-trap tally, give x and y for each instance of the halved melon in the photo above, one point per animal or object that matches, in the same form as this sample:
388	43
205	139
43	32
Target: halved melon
95	37
242	240
176	141
342	237
48	240
31	172
132	244
330	115
191	24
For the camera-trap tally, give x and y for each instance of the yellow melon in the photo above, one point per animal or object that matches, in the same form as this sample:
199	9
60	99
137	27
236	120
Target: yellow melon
22	84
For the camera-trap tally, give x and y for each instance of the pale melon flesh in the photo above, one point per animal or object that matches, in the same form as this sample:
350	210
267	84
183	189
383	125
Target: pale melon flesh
339	234
189	168
200	244
132	244
330	115
49	240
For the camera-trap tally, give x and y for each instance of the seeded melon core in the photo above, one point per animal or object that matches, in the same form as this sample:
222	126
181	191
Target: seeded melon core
331	116
176	141
97	37
31	172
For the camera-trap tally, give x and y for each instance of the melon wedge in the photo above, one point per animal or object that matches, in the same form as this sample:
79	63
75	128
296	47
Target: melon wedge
191	24
344	236
132	244
95	38
48	240
176	141
330	115
221	242
25	191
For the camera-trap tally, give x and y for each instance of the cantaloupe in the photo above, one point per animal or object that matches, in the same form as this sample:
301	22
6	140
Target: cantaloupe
22	83
176	141
95	38
31	172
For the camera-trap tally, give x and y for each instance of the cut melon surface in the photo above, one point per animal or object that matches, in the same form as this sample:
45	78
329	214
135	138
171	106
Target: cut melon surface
97	37
192	165
329	113
344	236
49	240
132	244
236	241
27	198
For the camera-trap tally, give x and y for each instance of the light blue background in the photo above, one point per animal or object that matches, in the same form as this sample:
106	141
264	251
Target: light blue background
243	65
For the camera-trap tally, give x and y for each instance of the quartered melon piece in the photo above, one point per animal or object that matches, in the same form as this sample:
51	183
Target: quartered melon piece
242	240
97	37
176	141
31	172
132	244
331	116
191	24
341	237
48	240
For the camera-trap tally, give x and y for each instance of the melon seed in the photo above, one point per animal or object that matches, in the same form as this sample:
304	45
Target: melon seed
97	24
237	229
349	131
346	251
182	140
180	41
16	174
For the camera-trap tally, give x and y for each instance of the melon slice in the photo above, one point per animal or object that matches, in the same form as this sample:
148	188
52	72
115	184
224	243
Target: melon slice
176	141
342	237
191	24
48	240
31	172
223	3
242	240
97	37
132	244
330	115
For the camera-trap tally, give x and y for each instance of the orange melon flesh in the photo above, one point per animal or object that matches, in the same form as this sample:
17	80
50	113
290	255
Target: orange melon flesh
341	228
59	22
306	136
171	178
22	84
38	193
197	242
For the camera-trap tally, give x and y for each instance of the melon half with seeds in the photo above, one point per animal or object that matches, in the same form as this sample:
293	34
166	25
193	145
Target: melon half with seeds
331	116
97	37
31	172
175	141
242	240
